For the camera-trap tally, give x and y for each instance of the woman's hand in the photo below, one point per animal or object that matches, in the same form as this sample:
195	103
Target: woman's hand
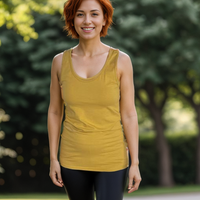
55	174
134	175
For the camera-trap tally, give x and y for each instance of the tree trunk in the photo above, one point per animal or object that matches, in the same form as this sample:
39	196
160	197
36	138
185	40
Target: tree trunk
155	109
197	110
198	146
165	164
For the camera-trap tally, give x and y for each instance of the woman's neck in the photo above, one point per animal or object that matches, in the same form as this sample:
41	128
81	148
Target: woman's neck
89	48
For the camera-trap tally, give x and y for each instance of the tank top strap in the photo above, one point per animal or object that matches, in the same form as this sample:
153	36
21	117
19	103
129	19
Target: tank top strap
111	68
64	66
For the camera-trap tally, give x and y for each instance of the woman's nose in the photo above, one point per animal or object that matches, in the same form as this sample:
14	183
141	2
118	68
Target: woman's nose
87	19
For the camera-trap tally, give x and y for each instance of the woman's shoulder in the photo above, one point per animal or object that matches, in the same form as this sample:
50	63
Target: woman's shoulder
124	60
57	62
57	59
59	56
122	55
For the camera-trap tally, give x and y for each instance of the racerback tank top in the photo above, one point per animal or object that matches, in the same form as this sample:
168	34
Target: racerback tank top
92	137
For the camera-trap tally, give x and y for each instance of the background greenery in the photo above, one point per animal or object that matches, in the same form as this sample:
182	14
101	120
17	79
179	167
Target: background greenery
161	37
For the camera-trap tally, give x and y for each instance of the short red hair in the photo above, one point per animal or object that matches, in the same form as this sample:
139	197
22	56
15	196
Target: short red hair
70	8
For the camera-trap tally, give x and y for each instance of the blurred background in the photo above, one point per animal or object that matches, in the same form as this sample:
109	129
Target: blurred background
162	39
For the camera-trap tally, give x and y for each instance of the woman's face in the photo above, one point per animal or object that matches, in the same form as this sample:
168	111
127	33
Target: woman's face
89	19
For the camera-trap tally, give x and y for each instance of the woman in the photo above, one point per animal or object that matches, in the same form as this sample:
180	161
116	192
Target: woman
95	84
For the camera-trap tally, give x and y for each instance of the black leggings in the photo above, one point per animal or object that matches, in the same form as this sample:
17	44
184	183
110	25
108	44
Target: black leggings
81	184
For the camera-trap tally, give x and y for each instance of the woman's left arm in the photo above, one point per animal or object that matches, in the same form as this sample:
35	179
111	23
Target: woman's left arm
129	118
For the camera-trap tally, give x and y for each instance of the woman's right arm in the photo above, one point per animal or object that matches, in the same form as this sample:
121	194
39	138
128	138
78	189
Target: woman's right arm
54	121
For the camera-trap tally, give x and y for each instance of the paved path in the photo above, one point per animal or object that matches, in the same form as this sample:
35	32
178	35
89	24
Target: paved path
192	196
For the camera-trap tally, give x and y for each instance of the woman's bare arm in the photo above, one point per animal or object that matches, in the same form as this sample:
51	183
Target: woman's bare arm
129	117
55	116
55	111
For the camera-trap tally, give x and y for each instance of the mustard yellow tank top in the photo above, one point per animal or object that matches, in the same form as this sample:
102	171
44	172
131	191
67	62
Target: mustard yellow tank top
92	137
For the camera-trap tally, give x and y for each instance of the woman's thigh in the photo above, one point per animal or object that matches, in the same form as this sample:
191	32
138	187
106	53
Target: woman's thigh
111	185
78	184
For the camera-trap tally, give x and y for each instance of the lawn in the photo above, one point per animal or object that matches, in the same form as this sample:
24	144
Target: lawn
141	192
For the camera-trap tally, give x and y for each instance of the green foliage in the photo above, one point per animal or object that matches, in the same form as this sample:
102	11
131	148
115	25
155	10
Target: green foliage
182	147
162	39
153	51
148	161
25	68
18	14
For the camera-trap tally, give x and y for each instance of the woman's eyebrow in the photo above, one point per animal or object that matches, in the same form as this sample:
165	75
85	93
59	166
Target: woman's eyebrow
90	11
94	10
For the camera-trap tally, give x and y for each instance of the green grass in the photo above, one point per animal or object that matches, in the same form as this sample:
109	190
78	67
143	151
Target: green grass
141	192
146	191
56	196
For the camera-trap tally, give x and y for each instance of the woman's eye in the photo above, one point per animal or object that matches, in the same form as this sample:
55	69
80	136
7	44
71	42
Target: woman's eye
79	14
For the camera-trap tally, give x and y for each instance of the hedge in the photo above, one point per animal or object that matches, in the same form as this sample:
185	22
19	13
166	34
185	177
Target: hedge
183	155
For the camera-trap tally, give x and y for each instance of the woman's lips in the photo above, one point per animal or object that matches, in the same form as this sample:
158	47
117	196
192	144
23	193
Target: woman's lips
87	30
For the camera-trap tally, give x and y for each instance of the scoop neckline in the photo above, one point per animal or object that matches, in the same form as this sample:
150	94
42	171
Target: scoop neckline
90	78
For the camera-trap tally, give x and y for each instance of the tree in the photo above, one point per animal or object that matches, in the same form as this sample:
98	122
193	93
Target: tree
18	15
25	89
185	53
150	32
190	90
